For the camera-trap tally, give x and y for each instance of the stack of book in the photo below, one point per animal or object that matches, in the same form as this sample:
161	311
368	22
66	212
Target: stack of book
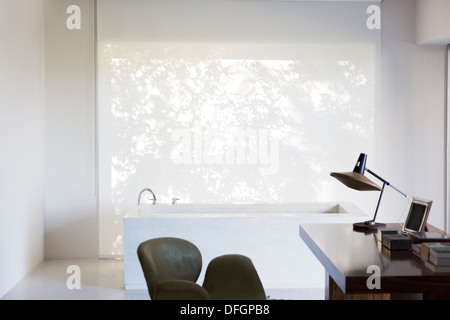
436	256
416	249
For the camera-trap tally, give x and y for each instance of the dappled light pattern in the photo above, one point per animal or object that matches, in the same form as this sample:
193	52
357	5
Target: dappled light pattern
229	123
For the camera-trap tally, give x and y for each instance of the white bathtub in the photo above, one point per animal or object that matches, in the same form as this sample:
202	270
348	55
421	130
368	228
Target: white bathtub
267	233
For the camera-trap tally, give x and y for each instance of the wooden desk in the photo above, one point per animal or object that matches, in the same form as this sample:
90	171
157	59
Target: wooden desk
346	254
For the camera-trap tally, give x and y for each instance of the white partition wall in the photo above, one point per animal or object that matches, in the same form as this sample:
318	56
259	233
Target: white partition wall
22	129
231	101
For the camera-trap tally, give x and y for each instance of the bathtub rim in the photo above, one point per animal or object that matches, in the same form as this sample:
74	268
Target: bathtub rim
236	210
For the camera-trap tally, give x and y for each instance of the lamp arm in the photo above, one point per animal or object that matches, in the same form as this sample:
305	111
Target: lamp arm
385	182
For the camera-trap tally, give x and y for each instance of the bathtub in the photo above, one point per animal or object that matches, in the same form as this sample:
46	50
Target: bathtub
266	233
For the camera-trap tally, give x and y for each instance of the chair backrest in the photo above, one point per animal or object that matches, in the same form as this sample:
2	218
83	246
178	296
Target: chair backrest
168	259
233	277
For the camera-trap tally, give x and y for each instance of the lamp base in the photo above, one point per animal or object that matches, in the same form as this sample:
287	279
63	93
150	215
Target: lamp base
368	225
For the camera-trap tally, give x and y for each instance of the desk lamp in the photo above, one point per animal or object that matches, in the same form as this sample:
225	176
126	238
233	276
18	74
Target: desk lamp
358	181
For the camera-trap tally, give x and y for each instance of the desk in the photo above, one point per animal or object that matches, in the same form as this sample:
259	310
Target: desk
346	254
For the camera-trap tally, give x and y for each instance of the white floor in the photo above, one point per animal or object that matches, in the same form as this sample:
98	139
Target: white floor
102	279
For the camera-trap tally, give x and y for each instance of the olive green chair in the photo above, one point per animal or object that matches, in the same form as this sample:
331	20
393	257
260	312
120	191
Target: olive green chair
171	268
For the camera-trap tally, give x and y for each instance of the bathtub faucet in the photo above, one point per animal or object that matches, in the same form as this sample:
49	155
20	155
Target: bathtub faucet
149	190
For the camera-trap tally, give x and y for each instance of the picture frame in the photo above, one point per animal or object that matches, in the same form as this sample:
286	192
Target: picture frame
418	212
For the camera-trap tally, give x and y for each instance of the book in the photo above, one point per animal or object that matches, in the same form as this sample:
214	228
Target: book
416	249
383	232
435	268
396	242
426	247
444	262
440	251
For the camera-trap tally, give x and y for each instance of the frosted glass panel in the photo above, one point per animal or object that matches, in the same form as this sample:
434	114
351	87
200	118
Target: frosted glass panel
229	122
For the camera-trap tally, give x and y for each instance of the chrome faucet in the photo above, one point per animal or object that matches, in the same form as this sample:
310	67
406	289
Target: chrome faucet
149	190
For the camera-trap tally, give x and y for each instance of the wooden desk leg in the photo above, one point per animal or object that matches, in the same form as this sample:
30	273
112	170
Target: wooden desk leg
327	286
333	292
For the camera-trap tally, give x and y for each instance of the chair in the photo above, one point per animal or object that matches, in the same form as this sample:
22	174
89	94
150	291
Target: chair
171	267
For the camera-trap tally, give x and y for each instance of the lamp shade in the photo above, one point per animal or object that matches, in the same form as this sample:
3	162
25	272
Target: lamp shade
356	179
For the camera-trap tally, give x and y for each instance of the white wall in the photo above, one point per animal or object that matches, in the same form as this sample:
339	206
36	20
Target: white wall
411	120
432	22
71	212
21	139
